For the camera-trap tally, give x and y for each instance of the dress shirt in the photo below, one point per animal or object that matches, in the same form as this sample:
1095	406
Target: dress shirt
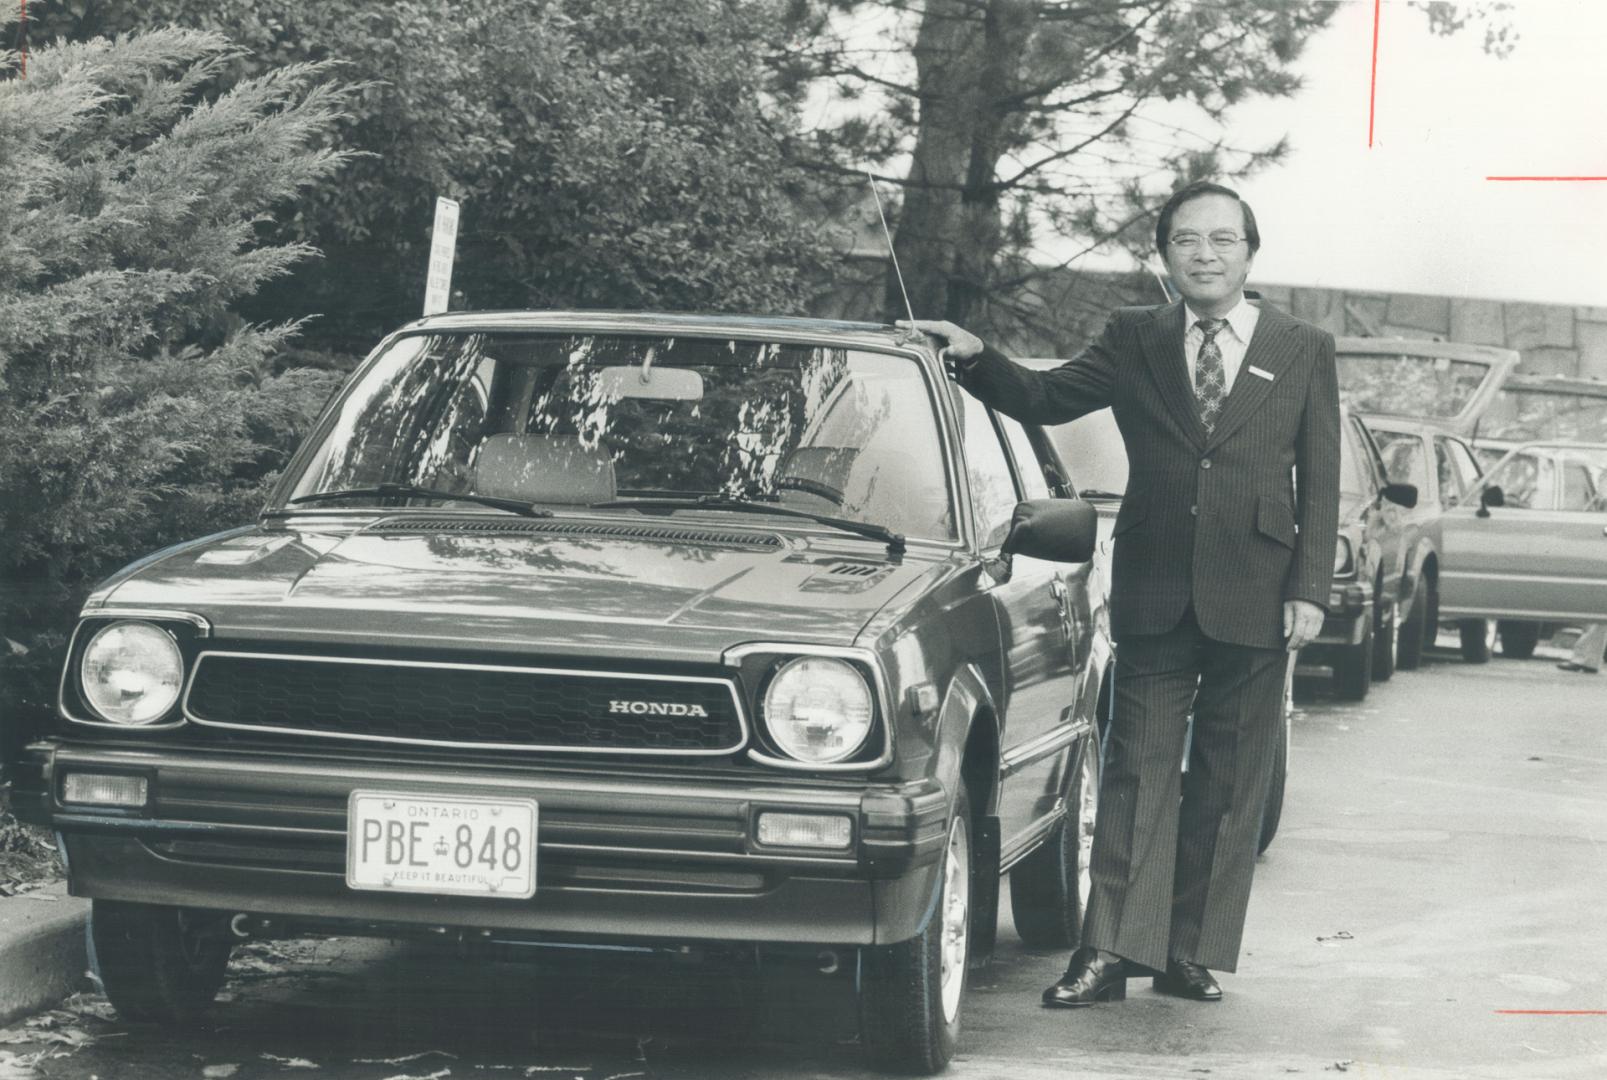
1233	339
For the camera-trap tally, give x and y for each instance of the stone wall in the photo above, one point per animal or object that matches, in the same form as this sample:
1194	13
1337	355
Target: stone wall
1063	309
1553	339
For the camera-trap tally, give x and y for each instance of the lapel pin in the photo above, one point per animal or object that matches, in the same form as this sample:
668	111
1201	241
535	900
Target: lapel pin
1267	375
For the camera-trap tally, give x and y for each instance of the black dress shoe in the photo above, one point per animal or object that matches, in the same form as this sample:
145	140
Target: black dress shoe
1093	976
1188	980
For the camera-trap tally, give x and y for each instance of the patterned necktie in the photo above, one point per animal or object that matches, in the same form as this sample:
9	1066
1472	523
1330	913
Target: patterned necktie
1210	378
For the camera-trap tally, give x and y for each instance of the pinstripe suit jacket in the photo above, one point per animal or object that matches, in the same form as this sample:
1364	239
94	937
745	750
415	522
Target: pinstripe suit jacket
1235	522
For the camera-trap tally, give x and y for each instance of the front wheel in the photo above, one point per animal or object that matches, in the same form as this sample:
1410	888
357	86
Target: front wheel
1353	666
1272	809
910	995
1049	888
157	963
1386	641
1478	639
1519	639
1417	632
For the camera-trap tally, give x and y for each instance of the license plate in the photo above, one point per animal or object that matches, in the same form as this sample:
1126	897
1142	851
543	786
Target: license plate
443	844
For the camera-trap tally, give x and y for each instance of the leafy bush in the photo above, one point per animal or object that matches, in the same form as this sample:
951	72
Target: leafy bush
135	408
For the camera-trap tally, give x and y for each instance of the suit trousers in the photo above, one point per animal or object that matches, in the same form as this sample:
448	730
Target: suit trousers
1173	854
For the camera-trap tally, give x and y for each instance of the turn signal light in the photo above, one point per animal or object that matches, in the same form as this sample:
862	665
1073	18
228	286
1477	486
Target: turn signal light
92	789
805	830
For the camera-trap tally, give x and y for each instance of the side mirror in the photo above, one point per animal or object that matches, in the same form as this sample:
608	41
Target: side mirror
1401	494
1491	496
1056	530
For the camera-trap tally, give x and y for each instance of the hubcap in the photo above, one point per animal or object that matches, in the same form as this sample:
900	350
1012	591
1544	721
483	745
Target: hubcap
956	916
1087	811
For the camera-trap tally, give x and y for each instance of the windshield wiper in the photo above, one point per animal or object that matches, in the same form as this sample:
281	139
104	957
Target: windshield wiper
893	540
403	491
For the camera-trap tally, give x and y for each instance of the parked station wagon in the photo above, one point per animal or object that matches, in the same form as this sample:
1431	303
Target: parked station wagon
592	628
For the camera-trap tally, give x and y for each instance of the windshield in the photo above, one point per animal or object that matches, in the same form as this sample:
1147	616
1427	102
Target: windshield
1409	384
559	420
1526	414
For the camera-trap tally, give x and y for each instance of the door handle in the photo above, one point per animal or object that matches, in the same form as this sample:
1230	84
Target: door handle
1058	589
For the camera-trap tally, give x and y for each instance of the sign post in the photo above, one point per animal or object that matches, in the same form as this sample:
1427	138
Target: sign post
443	248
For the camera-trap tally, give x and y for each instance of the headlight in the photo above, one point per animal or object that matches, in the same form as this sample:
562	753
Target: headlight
131	673
1344	561
818	709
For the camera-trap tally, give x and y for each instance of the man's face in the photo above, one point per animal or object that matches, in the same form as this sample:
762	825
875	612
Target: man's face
1211	280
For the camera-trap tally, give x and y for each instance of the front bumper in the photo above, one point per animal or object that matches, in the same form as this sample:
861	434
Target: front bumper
642	853
1350	609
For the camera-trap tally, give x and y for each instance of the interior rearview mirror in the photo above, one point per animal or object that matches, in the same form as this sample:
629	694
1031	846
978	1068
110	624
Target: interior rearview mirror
652	383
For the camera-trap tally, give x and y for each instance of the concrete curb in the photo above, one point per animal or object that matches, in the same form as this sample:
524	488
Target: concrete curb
41	949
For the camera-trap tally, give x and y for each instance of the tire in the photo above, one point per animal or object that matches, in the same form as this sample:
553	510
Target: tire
1353	667
1518	639
1417	632
158	964
1049	888
1478	639
1386	642
911	992
1273	811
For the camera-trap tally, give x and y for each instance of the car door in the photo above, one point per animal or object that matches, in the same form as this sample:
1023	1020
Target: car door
1038	663
1539	556
1403	459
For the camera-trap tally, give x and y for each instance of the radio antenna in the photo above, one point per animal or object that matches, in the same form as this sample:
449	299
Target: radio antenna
874	190
1159	280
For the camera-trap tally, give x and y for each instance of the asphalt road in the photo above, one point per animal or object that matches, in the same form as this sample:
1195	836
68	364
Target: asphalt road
1432	910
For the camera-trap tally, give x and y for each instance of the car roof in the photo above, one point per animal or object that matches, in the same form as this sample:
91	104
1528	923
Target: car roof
764	327
1583	386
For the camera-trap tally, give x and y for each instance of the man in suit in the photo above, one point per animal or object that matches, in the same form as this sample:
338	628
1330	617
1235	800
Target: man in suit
1221	565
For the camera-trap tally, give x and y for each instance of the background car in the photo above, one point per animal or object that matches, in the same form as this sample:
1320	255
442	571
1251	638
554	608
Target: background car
1371	596
1444	469
1471	392
1095	459
1527	546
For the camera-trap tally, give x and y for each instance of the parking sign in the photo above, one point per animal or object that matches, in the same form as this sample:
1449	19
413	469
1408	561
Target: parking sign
443	247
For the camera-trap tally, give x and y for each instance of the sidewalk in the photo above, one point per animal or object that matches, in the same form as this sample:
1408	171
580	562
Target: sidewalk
41	949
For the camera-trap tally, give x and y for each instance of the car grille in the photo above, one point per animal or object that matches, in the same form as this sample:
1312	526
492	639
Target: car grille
466	705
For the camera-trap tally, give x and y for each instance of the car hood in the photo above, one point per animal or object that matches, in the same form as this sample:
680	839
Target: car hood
1446	385
656	590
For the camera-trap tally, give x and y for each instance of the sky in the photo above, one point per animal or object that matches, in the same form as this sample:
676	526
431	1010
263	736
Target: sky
1414	212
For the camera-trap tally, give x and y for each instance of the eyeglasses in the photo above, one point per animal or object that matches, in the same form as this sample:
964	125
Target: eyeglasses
1221	240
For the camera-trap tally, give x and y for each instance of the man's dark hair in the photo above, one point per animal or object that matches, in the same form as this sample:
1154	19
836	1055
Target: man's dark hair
1163	224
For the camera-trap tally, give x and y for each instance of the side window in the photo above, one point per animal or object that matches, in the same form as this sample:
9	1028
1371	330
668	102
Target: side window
1034	484
1463	461
1450	483
1374	466
1403	459
1355	476
1527	482
993	491
1577	490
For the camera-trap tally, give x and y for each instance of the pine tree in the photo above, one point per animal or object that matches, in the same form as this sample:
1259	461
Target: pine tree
135	408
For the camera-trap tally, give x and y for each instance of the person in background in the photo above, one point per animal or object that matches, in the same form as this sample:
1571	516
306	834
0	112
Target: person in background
1588	650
